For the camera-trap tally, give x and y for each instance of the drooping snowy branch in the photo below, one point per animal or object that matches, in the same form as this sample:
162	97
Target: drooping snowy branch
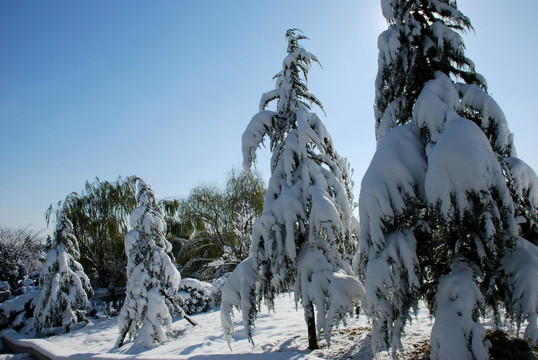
521	267
237	293
457	334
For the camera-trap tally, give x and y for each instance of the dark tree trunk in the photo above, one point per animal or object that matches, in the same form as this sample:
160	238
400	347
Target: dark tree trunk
311	325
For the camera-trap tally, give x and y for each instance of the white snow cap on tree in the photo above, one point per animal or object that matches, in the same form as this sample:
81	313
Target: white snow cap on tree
444	200
421	39
307	218
152	278
65	287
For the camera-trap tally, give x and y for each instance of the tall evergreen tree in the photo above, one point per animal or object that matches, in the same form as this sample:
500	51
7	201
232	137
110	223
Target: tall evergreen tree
306	225
441	201
152	278
65	287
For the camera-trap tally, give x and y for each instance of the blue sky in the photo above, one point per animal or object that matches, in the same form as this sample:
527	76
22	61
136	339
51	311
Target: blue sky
164	89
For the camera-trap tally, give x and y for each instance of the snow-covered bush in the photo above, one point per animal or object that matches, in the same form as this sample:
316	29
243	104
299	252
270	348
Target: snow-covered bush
18	311
441	201
306	225
21	253
106	303
65	287
5	291
198	296
152	278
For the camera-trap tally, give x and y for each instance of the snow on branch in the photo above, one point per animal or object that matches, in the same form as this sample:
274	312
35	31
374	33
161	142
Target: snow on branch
456	333
152	278
521	267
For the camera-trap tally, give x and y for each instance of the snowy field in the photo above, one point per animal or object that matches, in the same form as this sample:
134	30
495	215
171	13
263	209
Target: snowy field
278	335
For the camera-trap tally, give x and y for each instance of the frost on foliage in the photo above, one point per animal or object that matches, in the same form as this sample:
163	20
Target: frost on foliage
422	38
65	287
307	204
152	278
457	333
521	267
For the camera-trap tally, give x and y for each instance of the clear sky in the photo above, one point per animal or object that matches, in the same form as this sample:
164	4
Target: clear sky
164	89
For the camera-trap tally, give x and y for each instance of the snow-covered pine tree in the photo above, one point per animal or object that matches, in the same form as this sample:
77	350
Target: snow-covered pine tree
441	201
65	287
411	51
306	227
152	278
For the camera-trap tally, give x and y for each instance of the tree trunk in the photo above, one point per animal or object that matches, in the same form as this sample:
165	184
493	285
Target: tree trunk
311	325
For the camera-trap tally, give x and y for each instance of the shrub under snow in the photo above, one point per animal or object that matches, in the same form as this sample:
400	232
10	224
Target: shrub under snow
198	296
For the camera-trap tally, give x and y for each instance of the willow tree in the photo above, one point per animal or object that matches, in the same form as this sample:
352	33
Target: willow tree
100	217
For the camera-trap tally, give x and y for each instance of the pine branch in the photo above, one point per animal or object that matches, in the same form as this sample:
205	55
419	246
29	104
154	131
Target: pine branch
178	308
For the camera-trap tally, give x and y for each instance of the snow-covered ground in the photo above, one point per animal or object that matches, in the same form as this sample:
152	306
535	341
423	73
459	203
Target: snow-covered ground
278	335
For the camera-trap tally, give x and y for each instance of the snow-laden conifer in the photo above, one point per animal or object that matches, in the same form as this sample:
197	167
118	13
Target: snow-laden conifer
65	287
152	278
448	213
419	41
306	227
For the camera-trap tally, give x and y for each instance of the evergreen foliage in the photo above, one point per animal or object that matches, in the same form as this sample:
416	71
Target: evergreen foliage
65	287
306	227
419	42
152	279
444	194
